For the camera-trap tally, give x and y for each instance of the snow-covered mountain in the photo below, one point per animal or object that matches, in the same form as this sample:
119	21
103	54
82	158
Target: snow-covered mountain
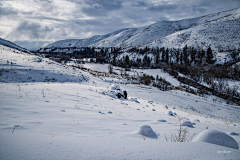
11	45
220	30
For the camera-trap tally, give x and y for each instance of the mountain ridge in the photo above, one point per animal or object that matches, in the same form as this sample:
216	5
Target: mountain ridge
12	45
170	34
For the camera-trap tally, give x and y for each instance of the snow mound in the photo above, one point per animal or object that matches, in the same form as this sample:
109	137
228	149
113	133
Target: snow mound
232	133
216	137
161	120
170	113
195	121
136	100
187	123
147	131
113	87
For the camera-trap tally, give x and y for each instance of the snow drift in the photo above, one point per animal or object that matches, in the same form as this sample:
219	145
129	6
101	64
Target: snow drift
216	137
147	131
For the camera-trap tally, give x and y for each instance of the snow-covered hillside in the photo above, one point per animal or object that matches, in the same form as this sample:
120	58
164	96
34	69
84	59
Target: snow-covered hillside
11	45
19	67
53	111
220	30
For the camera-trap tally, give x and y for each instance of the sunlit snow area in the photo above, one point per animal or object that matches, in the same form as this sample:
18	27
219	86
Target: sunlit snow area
53	111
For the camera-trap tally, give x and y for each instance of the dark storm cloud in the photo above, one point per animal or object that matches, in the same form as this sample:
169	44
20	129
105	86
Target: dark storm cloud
139	4
199	9
50	19
160	8
7	11
101	7
32	30
94	22
205	3
106	4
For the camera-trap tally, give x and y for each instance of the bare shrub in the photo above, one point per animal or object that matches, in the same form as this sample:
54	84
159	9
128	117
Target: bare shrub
110	69
182	135
147	80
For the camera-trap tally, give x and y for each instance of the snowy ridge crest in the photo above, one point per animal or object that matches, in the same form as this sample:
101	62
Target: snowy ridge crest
220	30
12	45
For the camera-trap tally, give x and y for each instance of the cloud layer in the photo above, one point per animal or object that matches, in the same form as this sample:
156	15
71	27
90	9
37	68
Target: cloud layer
51	20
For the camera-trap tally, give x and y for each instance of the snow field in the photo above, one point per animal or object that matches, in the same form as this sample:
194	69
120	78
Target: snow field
152	72
83	118
62	147
66	117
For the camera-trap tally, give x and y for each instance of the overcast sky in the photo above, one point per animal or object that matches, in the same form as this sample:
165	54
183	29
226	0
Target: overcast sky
23	21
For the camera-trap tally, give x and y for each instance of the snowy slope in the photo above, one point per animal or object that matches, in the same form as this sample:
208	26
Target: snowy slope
70	43
20	67
11	45
218	30
79	117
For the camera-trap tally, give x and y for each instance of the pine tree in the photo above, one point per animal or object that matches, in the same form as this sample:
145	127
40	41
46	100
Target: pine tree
146	49
177	57
102	52
193	55
163	55
181	58
201	55
185	55
234	54
110	69
167	56
126	61
139	62
114	60
145	60
157	58
209	56
148	61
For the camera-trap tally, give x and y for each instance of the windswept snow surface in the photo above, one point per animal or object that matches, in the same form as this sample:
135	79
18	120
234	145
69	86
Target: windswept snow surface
79	117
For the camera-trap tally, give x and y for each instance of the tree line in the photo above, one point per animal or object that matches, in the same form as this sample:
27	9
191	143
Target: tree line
187	56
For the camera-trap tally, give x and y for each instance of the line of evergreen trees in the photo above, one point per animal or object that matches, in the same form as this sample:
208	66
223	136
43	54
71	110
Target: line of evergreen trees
187	56
90	52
